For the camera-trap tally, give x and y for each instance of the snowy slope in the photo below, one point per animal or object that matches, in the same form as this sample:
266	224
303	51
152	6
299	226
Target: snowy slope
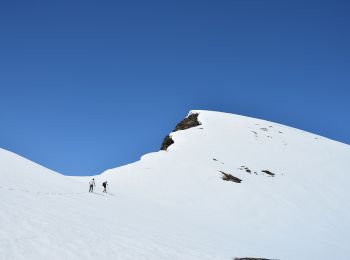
174	204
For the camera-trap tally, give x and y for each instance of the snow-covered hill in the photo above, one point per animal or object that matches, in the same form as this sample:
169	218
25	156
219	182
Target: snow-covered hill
289	199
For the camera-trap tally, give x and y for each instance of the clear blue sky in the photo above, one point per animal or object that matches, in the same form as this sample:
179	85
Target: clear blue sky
90	85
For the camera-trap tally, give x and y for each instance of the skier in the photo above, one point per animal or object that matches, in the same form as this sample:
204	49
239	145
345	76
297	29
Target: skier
92	184
104	186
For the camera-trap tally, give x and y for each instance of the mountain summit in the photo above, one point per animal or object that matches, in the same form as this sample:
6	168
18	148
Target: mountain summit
222	186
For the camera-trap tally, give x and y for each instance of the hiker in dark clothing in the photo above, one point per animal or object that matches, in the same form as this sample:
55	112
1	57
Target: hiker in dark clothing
104	186
92	184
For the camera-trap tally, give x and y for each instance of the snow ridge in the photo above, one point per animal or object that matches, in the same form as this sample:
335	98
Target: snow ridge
292	200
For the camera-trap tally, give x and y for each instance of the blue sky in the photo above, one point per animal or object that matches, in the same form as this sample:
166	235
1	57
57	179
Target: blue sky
90	85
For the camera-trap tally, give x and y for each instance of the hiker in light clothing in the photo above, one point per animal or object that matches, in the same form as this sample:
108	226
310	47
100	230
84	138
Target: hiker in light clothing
92	184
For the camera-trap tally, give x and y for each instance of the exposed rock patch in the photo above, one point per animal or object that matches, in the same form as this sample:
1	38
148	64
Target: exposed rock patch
246	169
268	173
167	141
216	160
188	122
230	177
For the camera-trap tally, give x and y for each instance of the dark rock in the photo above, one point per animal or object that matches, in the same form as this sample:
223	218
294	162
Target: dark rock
229	177
167	141
245	168
268	172
188	122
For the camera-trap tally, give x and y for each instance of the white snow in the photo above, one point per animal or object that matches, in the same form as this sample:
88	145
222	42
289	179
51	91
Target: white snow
174	204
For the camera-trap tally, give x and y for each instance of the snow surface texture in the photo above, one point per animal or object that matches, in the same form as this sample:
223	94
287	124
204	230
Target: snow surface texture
174	204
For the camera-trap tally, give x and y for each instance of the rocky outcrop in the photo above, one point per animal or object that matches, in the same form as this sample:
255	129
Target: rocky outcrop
167	141
269	173
230	177
188	122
